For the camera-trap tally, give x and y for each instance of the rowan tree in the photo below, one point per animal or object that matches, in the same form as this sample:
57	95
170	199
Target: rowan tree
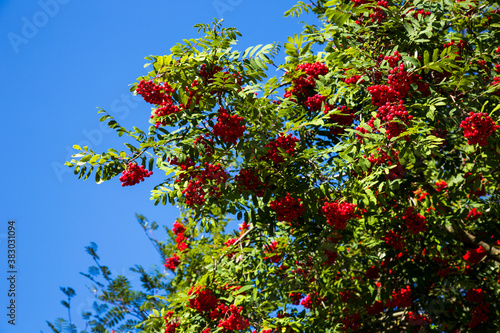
364	175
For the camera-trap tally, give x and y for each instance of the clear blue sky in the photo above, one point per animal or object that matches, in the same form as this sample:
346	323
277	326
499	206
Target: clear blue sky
60	59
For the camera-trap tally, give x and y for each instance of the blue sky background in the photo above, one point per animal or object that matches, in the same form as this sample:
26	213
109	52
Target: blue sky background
59	60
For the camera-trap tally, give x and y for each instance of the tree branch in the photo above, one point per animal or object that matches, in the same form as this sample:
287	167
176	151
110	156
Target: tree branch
469	239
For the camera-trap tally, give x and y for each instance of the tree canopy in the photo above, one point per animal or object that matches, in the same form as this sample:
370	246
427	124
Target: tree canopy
363	170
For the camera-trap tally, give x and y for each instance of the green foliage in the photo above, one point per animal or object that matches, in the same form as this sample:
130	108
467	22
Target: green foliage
379	97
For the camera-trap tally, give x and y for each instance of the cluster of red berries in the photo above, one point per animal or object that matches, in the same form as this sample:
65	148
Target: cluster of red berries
172	262
377	14
249	181
207	304
188	163
213	173
162	112
331	257
194	193
158	95
219	311
475	295
235	321
478	127
204	300
206	145
389	98
171	326
295	297
461	44
390	159
134	174
285	143
309	301
360	2
229	243
228	128
347	296
441	185
388	113
287	209
337	214
381	158
244	227
314	103
272	252
394	240
481	63
417	319
208	75
375	308
313	70
353	79
372	273
420	195
393	60
178	230
154	93
416	12
401	298
400	80
185	167
179	239
212	176
351	322
191	94
473	214
415	222
475	256
422	87
382	94
303	86
496	83
479	314
342	120
422	12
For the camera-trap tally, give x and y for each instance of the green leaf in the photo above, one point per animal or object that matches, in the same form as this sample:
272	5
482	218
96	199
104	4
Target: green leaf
435	55
426	58
431	112
408	28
